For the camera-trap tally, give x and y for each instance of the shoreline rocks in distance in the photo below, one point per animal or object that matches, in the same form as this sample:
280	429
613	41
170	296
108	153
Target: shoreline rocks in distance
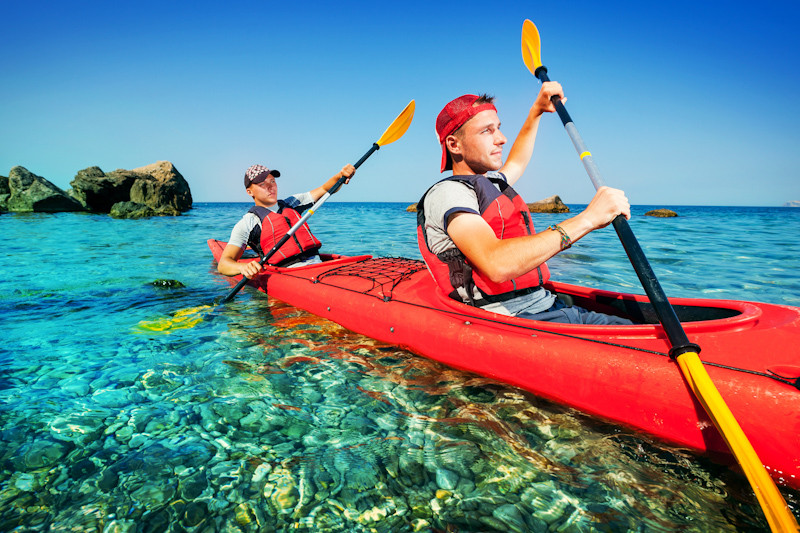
793	203
29	193
152	190
553	204
661	213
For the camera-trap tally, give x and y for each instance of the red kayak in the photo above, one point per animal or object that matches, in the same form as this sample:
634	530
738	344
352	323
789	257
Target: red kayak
620	373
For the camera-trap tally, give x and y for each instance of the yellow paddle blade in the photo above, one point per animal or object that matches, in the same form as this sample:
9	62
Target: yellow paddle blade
531	46
400	125
775	508
183	319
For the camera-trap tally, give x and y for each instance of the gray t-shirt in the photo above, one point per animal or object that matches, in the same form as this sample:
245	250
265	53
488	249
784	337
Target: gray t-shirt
241	231
450	197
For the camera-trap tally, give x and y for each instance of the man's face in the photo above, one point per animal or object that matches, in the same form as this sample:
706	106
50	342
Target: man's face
480	142
264	193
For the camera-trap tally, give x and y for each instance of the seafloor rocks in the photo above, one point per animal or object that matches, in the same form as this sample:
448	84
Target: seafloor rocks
28	192
552	204
135	210
661	213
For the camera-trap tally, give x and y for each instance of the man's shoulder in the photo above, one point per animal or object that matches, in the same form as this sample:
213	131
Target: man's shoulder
247	222
496	174
297	200
449	185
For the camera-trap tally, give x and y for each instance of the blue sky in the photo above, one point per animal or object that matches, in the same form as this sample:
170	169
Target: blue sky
681	103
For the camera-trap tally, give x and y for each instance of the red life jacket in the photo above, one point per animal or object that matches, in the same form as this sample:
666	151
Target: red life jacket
301	245
508	216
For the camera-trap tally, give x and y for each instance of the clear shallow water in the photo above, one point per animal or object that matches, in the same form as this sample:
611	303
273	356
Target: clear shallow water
264	417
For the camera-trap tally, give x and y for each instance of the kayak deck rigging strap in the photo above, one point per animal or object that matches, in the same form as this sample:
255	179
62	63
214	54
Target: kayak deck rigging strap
385	273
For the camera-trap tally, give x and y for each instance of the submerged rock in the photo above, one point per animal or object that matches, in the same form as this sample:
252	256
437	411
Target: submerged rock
168	283
137	210
661	213
28	192
552	204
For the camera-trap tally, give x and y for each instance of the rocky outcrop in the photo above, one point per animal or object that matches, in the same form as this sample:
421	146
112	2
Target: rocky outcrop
98	191
793	203
548	205
153	190
661	213
161	187
5	192
552	204
28	192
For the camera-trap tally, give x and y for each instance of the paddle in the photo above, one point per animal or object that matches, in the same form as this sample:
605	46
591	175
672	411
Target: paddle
392	133
775	508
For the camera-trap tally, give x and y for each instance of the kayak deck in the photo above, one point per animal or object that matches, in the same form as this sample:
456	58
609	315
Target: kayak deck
620	373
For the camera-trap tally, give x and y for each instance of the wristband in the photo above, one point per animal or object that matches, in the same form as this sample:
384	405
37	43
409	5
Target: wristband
566	242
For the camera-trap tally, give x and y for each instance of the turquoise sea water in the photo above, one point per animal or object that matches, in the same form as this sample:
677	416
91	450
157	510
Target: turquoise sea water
266	418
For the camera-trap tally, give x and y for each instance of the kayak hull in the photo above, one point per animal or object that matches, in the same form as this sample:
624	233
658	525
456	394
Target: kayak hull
620	373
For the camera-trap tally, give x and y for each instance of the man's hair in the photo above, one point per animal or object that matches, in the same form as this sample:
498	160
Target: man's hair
482	99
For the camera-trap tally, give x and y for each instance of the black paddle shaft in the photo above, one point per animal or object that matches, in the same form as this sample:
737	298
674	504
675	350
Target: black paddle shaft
664	310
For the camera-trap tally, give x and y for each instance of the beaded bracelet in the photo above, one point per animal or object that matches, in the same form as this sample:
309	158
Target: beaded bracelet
566	242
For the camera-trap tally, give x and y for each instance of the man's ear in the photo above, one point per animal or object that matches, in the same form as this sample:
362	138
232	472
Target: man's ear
250	191
452	144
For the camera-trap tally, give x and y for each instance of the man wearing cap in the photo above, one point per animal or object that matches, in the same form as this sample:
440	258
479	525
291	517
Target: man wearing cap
269	220
475	232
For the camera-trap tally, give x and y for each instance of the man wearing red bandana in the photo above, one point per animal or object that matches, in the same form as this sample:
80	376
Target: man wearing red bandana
476	233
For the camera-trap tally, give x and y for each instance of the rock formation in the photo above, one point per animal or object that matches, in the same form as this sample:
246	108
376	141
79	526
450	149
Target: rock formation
5	192
157	189
98	191
152	190
28	192
552	204
161	187
661	213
